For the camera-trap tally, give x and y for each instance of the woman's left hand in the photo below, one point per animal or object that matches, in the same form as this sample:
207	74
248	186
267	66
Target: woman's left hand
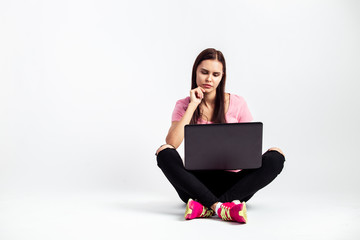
276	149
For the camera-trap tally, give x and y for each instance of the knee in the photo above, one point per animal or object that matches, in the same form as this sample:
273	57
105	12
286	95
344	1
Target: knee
162	147
274	161
277	149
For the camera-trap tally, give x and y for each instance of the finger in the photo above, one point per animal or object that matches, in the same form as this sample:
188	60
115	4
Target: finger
193	93
203	90
200	94
276	149
196	94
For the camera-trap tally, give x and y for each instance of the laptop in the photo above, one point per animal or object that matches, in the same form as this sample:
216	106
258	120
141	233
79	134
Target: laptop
226	146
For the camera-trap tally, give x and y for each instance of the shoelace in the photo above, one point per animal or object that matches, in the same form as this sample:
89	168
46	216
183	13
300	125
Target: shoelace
225	213
206	212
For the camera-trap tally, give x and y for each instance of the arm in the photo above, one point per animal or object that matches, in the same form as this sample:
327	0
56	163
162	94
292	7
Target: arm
176	132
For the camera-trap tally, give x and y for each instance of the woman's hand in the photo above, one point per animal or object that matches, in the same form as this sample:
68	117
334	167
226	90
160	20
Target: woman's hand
276	149
196	95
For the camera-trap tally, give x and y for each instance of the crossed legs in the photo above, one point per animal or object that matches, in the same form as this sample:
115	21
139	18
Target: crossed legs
210	187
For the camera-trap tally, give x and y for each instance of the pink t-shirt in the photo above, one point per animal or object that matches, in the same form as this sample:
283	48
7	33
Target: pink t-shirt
238	110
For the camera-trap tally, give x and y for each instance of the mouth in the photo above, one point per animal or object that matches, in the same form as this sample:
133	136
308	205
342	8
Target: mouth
207	86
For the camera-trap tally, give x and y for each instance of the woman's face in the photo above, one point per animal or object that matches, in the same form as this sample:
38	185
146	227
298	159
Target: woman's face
209	74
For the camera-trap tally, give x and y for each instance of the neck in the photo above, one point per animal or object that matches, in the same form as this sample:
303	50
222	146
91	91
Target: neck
209	99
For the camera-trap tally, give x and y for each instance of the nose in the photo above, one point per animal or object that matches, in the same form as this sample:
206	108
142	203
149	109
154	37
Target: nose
209	78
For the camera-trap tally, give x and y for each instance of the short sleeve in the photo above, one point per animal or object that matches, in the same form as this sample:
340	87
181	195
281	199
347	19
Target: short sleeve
180	108
243	112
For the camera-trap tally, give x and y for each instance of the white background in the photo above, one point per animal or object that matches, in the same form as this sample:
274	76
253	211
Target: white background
87	88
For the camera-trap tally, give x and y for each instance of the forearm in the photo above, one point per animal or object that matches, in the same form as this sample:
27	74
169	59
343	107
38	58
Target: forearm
176	135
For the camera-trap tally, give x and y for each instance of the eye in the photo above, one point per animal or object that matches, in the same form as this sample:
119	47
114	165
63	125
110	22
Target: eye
204	72
216	74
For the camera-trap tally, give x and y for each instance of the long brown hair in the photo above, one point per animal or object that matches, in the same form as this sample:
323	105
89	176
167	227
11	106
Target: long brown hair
219	110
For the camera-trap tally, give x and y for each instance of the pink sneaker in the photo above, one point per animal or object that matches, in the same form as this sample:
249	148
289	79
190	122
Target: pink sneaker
233	211
195	209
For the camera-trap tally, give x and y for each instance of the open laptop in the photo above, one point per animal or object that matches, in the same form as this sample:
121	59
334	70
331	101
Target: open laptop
226	146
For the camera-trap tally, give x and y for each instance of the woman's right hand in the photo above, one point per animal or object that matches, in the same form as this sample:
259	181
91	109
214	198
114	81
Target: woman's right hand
176	132
196	95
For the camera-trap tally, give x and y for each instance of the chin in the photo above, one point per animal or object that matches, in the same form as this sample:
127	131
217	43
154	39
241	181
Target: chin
209	90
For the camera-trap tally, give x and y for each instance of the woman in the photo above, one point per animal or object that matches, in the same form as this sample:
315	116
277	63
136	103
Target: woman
220	192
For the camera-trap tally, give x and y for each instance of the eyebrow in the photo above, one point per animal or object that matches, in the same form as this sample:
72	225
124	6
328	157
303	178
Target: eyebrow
208	70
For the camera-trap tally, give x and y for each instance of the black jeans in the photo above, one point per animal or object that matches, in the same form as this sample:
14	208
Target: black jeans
209	187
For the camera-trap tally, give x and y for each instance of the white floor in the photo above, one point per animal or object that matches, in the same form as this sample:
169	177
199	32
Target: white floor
150	216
